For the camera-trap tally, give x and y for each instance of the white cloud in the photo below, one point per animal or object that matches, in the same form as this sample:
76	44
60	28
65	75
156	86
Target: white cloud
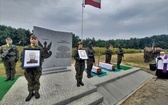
117	19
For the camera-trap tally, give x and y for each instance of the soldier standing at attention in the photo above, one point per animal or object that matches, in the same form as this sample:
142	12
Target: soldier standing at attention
120	54
10	55
32	75
91	60
79	65
108	53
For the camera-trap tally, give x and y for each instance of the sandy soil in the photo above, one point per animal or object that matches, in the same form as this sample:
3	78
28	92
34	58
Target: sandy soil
154	92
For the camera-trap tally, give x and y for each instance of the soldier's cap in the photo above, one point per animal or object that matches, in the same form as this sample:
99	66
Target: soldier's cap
120	45
108	46
8	38
79	43
33	37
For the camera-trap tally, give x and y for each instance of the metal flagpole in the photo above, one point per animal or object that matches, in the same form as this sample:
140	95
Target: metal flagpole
83	5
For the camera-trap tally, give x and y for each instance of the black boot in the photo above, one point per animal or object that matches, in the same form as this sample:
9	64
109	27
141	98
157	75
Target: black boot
88	76
82	84
12	78
88	73
118	66
7	79
29	96
91	75
37	95
78	84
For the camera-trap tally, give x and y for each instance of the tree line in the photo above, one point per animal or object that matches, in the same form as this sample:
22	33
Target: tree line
21	36
134	43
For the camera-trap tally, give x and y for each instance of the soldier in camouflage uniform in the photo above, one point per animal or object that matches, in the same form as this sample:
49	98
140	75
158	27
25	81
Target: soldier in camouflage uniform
32	75
120	54
10	55
91	60
79	65
108	55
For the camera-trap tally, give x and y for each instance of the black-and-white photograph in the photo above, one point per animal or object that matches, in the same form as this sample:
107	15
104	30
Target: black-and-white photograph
31	58
82	54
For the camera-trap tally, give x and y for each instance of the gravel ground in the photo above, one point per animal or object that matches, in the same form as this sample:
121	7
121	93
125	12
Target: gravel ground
155	92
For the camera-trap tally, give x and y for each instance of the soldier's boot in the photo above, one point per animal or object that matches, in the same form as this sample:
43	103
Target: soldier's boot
29	96
12	77
118	66
82	84
91	75
8	78
37	95
88	75
78	83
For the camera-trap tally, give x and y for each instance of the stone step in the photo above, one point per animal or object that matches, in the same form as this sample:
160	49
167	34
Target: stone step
91	99
111	76
54	71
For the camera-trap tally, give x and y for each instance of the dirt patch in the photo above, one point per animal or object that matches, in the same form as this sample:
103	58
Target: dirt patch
155	92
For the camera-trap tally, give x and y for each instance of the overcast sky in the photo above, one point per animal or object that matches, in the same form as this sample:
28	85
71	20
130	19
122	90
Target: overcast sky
117	19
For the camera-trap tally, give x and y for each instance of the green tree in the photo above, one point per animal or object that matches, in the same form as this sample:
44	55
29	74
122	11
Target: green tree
75	40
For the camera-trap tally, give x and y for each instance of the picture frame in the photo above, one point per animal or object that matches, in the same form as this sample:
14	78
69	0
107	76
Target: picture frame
31	58
82	54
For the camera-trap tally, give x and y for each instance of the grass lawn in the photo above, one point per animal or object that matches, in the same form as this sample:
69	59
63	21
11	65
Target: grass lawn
5	86
123	67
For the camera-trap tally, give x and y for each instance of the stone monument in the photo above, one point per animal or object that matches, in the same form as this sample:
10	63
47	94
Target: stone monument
57	49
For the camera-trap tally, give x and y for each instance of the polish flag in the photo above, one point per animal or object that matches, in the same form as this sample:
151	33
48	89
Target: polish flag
95	3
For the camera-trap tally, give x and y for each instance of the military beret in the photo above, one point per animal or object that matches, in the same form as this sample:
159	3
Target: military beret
79	43
8	38
108	46
33	37
120	45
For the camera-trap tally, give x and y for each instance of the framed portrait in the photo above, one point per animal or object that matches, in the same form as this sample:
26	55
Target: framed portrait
82	54
31	58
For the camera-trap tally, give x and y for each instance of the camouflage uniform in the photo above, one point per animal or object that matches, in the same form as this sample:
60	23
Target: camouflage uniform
108	55
79	67
12	56
32	75
90	52
120	54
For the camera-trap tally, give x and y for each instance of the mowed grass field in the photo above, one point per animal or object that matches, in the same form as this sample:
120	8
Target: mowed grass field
19	70
134	59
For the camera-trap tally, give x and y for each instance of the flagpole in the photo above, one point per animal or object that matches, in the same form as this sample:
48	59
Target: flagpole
83	5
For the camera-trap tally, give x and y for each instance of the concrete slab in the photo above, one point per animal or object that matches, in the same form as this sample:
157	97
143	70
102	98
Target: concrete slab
117	90
123	86
108	99
58	89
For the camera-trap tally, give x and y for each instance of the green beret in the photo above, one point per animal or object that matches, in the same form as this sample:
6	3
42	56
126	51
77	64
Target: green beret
33	37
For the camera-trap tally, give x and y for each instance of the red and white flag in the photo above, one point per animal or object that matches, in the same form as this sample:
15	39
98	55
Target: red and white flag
95	3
